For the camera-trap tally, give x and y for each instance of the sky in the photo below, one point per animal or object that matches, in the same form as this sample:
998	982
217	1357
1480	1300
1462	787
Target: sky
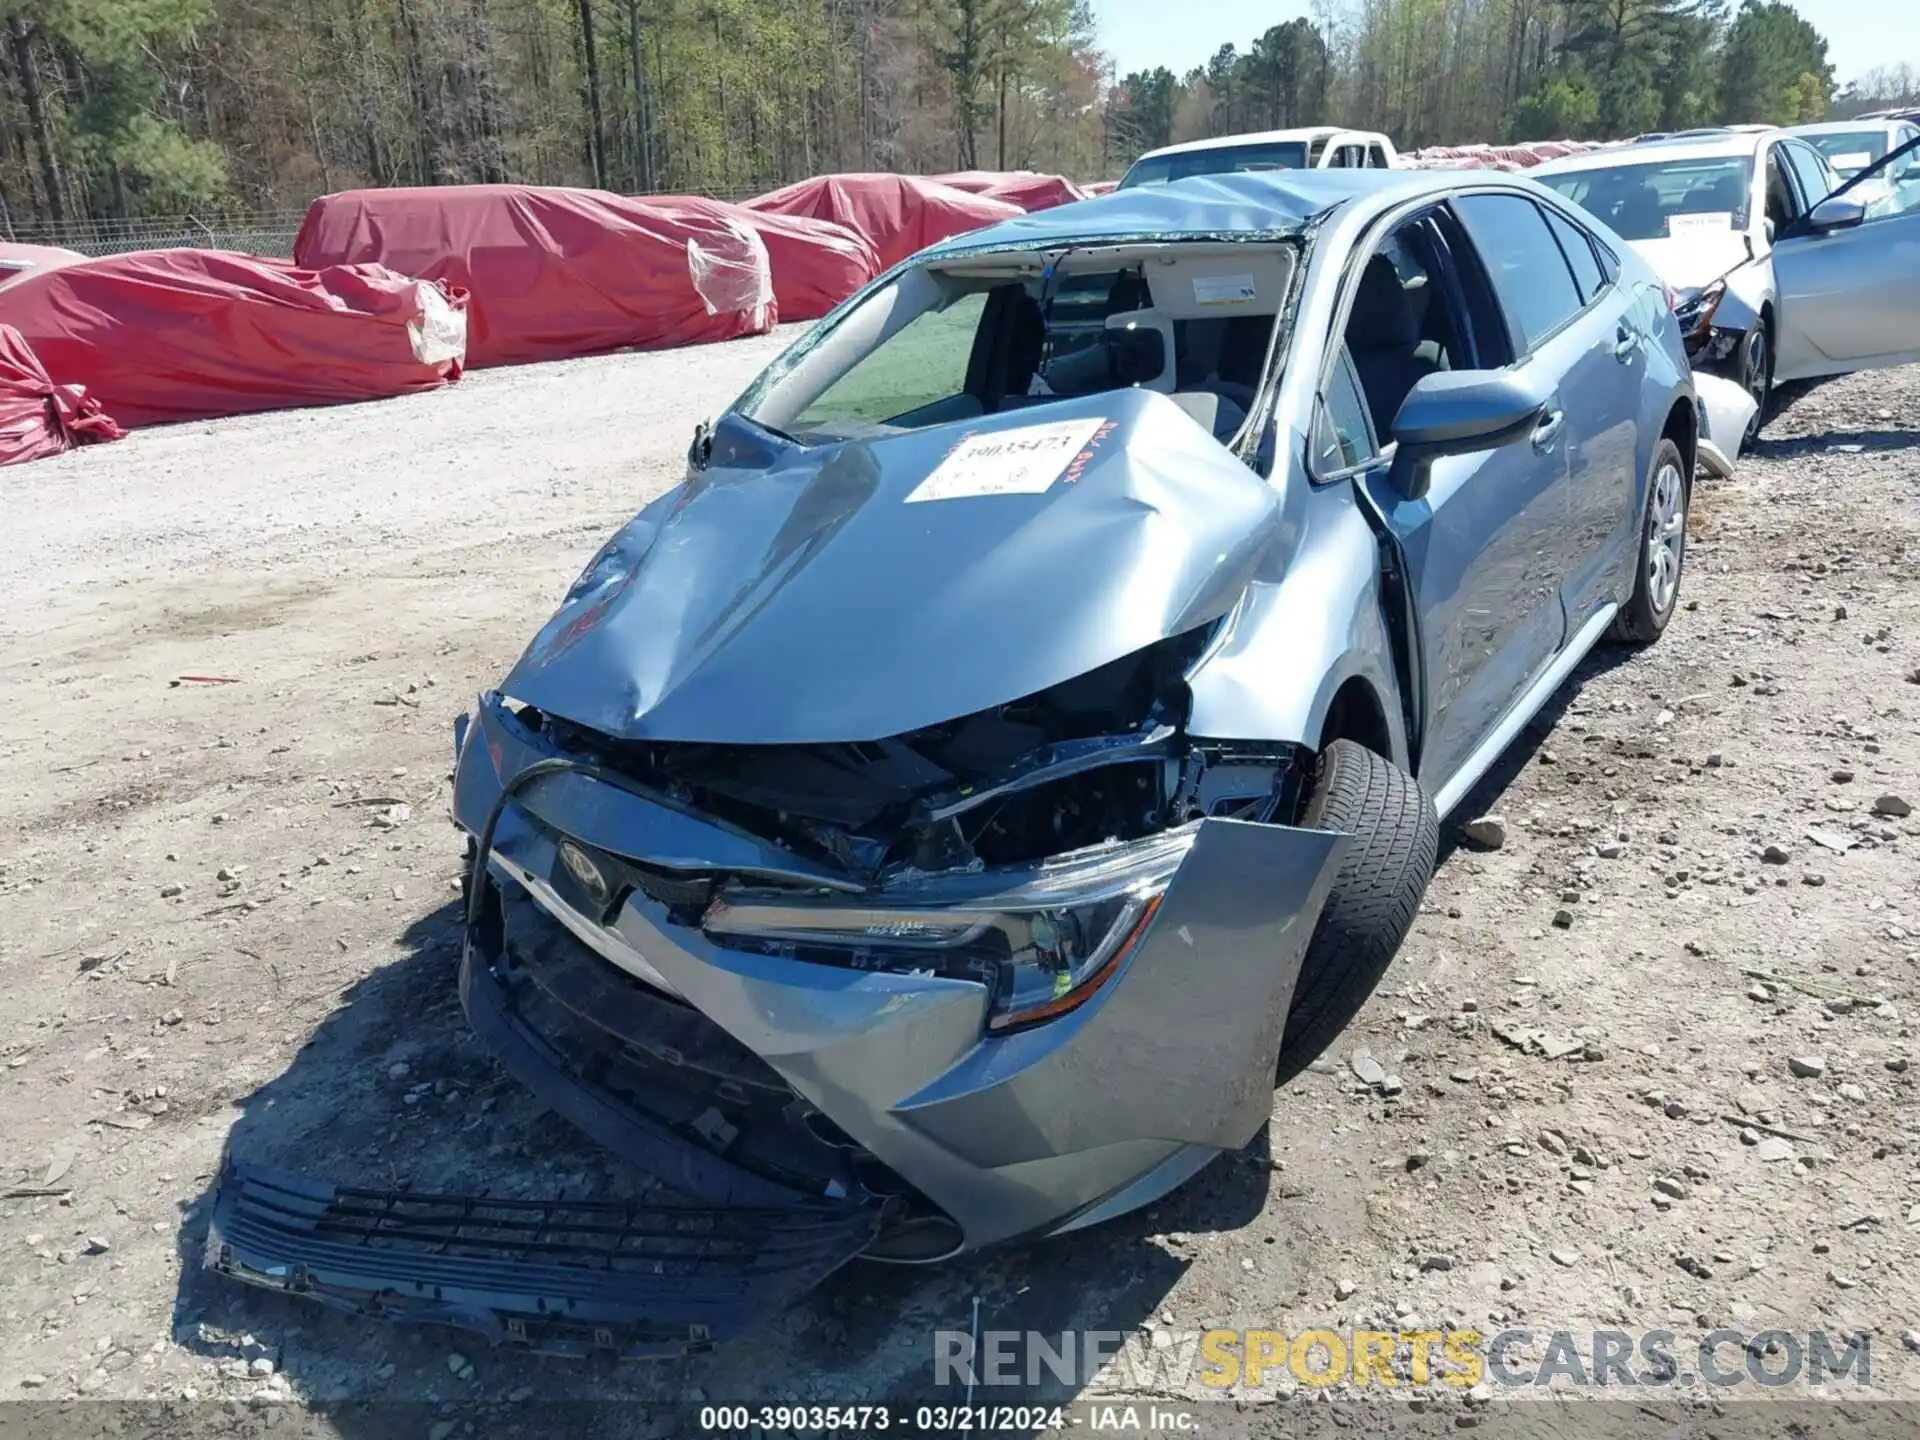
1140	34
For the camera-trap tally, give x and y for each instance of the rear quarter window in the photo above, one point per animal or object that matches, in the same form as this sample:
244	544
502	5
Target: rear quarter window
1578	247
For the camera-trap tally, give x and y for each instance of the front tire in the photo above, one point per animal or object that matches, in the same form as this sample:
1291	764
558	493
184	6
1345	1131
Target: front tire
1756	377
1662	553
1376	892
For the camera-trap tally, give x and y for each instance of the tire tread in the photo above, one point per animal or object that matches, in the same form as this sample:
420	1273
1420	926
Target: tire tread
1376	892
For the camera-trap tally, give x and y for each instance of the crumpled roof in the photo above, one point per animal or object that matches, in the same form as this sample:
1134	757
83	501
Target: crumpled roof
1250	203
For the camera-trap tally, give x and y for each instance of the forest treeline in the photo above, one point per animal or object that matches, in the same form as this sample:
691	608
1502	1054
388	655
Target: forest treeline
127	108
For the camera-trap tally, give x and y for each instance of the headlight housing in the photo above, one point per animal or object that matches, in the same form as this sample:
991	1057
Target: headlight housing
1695	312
1043	940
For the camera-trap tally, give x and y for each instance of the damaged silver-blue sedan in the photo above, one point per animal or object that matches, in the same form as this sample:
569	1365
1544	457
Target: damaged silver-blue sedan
1021	740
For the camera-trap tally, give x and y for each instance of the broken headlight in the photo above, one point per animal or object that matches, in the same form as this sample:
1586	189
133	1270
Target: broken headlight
1695	312
1044	940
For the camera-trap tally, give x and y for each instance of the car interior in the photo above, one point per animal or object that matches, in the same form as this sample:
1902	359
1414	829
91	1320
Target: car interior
1783	206
1196	327
1404	323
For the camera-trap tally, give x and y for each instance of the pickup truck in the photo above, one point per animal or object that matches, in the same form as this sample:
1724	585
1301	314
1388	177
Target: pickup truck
1312	147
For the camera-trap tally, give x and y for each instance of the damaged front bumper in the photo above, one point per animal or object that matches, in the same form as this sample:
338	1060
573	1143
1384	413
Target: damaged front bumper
873	1103
1003	1135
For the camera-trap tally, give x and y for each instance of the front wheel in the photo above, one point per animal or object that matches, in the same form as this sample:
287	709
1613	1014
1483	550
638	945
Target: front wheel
1756	377
1376	892
1662	552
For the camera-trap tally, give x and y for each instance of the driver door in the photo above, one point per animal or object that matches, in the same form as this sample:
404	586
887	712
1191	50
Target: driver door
1849	285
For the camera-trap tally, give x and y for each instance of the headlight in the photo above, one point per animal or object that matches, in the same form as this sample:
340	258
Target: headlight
1695	312
1044	941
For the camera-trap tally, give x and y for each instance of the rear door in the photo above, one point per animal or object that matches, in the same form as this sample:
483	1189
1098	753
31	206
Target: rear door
1605	352
1850	296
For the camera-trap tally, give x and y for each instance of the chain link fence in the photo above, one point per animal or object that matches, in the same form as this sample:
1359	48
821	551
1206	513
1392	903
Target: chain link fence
263	234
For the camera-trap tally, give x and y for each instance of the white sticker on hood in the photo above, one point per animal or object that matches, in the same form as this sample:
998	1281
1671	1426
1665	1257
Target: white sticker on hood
1705	223
1224	289
1024	461
1852	160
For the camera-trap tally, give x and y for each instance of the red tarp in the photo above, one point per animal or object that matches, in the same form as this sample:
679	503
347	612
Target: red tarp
160	335
816	263
1029	189
38	417
898	214
556	272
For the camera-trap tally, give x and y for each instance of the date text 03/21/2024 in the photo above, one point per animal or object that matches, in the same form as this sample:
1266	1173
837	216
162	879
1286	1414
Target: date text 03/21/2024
883	1419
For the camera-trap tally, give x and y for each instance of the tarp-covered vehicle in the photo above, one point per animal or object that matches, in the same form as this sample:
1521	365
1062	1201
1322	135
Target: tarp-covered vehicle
38	417
816	263
898	214
157	336
556	272
1029	189
1022	736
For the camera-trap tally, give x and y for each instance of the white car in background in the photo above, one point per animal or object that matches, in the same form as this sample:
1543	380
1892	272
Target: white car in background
1850	146
1779	268
1311	147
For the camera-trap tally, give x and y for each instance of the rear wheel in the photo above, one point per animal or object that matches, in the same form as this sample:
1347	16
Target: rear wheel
1376	892
1663	551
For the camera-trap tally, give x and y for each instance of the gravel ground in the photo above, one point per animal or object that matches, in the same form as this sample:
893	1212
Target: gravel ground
229	913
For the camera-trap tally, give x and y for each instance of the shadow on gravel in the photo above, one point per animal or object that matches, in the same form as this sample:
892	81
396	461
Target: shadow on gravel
392	1091
1484	798
1873	442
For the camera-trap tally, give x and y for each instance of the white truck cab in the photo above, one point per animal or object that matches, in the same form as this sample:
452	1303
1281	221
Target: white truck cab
1311	147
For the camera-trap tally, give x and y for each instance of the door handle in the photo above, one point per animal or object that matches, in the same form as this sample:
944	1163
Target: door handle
1625	342
1548	430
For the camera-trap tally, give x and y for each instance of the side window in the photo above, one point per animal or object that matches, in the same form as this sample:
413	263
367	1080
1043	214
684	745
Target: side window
1811	171
1523	260
1783	202
1315	152
1341	438
1578	248
1377	157
923	361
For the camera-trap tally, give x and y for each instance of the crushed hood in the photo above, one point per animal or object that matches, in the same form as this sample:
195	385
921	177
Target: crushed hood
1688	263
863	589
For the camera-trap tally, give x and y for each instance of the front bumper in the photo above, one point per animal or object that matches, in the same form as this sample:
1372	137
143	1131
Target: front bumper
1005	1135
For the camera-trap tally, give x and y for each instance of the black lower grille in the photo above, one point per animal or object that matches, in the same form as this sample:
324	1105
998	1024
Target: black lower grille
562	1276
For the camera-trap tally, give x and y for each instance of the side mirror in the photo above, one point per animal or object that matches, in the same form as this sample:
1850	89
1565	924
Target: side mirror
1767	228
701	450
1836	212
1459	412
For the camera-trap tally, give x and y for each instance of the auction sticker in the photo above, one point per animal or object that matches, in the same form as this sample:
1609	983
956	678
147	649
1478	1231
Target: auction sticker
1023	461
1700	224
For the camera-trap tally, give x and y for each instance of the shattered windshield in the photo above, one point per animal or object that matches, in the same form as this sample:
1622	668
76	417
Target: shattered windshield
1653	200
938	346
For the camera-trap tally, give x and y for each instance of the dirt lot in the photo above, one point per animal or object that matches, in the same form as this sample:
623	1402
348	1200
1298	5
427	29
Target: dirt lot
229	915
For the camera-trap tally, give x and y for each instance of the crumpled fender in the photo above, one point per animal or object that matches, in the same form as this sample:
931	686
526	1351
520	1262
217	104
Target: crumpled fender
1008	1133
